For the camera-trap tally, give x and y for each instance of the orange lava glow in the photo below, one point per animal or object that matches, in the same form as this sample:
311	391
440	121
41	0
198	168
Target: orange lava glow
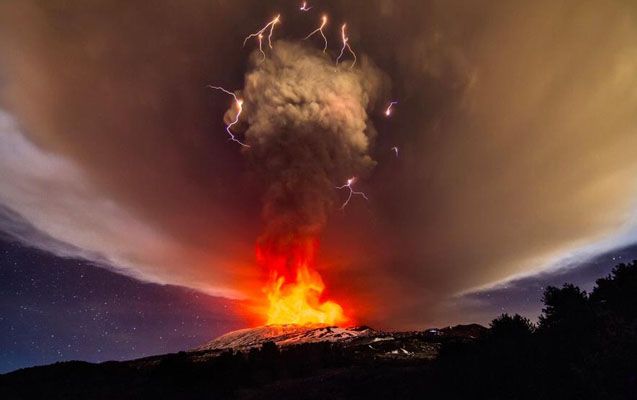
294	289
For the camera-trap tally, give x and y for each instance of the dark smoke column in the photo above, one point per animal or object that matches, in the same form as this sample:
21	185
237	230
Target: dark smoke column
308	130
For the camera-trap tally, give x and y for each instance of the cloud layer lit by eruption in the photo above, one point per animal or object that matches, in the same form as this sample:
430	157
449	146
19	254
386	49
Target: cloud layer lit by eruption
515	123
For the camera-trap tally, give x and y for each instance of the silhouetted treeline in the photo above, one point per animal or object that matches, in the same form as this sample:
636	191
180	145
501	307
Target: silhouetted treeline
583	347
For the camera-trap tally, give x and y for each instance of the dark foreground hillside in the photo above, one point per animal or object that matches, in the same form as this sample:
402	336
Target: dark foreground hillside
584	347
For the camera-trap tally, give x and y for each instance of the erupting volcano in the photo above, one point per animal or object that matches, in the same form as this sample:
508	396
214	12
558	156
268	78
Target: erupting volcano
305	130
294	288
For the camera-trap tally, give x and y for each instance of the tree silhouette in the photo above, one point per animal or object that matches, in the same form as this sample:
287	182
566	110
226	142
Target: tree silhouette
515	327
617	293
566	310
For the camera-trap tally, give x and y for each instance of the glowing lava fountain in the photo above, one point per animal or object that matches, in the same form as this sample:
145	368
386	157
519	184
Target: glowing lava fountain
294	289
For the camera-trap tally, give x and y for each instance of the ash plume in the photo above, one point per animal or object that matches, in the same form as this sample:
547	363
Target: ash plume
308	129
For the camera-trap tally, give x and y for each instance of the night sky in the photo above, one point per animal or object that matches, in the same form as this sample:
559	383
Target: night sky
54	309
129	221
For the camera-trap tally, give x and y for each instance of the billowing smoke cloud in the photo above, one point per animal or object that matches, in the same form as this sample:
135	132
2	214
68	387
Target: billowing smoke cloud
307	130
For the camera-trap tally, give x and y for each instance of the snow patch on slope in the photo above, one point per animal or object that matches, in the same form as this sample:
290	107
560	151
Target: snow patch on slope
285	335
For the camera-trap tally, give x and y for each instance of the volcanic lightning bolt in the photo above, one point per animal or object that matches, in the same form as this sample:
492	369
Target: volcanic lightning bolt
260	37
304	7
239	106
388	110
259	34
352	192
320	31
346	46
395	150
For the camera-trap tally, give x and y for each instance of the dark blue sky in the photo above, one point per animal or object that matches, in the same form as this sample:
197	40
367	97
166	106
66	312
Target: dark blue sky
54	309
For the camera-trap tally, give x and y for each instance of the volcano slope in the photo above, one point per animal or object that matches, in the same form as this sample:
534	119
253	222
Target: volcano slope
583	347
269	361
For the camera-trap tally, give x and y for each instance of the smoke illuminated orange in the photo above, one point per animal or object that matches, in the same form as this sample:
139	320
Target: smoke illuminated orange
294	289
